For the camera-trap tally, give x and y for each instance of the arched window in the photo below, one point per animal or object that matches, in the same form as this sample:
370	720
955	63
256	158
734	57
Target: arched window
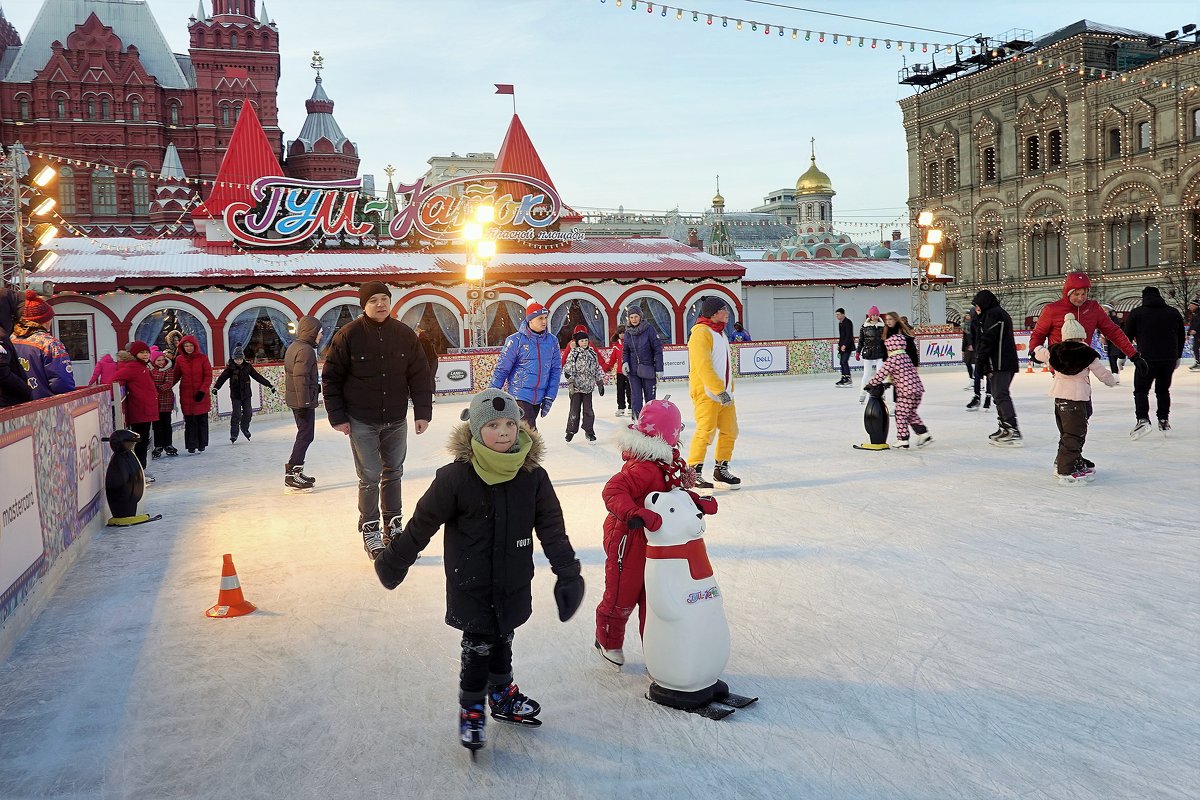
104	192
951	174
135	109
1047	250
262	331
1133	241
165	327
334	319
66	190
23	108
502	319
438	322
932	184
1196	123
233	40
1033	154
1114	142
141	191
693	313
655	312
91	108
105	108
950	257
60	107
989	165
1054	149
569	313
225	114
173	112
993	244
1143	130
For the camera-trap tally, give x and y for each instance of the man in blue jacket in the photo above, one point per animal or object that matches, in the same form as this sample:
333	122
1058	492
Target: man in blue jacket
530	363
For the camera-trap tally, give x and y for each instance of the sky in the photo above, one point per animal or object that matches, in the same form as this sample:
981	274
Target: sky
633	109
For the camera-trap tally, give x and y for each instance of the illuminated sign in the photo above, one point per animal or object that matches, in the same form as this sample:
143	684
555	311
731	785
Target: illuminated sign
287	211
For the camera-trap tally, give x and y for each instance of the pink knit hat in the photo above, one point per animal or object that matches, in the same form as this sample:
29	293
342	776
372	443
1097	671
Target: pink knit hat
873	311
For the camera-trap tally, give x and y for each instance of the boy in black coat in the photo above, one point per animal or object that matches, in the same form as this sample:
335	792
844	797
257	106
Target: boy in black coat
491	499
238	372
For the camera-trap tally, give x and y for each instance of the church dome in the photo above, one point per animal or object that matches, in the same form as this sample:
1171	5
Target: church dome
813	181
881	252
718	200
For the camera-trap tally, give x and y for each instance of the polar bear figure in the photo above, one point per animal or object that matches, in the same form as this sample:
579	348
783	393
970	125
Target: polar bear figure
686	640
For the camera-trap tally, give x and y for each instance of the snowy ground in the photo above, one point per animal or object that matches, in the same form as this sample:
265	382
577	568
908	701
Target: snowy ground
940	624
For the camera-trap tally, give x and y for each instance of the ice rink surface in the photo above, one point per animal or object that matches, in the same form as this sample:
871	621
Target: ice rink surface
946	623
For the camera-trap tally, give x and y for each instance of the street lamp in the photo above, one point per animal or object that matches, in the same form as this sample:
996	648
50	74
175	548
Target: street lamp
926	269
479	252
21	199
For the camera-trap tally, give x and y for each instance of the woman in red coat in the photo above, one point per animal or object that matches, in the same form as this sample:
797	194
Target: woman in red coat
141	396
193	373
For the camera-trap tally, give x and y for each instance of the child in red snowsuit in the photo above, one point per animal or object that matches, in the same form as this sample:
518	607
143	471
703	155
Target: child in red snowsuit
652	464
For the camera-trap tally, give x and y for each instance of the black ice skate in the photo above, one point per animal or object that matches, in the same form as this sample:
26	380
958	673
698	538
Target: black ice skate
157	452
723	476
509	705
372	538
700	482
1010	436
294	483
171	451
470	727
395	526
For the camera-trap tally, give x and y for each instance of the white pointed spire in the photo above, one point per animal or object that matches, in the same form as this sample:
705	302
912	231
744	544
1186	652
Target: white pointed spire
201	14
263	17
172	167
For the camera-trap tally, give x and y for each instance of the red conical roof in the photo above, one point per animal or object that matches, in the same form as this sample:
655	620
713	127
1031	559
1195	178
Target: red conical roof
248	157
519	156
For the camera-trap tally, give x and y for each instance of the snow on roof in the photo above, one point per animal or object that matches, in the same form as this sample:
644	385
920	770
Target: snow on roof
131	20
856	270
122	261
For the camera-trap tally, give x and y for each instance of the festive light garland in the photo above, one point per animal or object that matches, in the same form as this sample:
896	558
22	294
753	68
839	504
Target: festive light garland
900	45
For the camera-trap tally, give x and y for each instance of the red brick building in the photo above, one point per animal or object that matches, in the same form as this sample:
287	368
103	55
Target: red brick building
95	80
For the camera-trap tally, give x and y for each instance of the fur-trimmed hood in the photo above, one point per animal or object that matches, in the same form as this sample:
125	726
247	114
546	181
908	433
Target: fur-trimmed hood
1072	357
459	445
636	445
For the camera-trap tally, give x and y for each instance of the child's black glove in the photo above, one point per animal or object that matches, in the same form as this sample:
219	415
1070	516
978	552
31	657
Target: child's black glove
600	388
199	396
568	590
389	575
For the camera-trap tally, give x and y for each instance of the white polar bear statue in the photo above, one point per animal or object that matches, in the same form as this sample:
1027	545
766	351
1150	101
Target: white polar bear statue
686	640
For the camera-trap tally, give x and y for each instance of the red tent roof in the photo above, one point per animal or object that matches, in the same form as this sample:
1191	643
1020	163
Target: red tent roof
248	157
519	156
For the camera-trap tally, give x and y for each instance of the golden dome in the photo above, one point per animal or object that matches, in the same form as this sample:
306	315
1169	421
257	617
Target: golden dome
718	200
813	181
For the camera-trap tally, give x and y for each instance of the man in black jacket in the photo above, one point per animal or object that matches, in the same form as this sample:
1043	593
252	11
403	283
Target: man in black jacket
845	345
374	366
1157	330
996	357
14	384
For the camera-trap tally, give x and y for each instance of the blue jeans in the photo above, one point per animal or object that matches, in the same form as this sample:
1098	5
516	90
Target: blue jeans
379	450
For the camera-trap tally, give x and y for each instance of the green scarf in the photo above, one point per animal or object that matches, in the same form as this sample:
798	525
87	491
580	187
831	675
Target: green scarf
495	467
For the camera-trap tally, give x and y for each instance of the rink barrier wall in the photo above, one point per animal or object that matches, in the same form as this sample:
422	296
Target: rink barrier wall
52	464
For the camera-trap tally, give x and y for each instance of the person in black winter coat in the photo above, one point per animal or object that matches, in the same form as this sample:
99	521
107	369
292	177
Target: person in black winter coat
1157	330
302	393
491	499
845	345
14	383
996	357
373	367
239	372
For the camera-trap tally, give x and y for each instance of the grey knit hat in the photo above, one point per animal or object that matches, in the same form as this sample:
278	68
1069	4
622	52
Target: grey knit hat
710	305
488	405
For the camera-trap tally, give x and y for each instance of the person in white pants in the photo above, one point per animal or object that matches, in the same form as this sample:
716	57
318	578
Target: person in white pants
870	349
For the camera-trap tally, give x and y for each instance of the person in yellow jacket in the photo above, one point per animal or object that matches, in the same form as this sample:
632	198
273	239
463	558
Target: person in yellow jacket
710	383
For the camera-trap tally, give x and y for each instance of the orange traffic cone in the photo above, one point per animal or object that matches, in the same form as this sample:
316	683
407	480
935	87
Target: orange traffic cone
1029	368
230	602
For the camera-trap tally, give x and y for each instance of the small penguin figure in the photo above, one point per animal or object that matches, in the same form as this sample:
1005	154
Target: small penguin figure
875	420
124	482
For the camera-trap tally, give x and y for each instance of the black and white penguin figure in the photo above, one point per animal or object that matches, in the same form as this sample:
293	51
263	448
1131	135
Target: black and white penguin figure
124	482
875	420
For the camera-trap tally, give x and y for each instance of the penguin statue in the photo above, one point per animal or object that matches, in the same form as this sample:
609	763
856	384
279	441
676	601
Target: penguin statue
875	420
124	482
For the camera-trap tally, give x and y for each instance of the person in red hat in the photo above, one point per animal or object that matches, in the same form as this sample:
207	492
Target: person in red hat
44	358
141	396
193	373
530	365
1088	313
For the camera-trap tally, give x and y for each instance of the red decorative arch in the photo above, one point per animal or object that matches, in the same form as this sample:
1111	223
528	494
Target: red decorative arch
704	288
219	356
579	290
83	300
351	293
181	299
426	292
615	313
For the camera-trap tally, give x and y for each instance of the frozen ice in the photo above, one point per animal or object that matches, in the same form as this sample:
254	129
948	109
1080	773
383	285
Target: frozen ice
945	623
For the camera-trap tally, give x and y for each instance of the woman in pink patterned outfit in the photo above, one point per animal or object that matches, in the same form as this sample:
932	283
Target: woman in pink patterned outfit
900	370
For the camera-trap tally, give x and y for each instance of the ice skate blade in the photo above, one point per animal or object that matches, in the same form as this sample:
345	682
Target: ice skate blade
528	722
290	490
1140	432
877	447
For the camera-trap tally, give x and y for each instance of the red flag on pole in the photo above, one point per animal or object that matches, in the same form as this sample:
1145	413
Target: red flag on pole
504	88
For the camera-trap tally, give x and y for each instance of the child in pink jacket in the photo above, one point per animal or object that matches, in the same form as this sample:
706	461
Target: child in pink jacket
1073	362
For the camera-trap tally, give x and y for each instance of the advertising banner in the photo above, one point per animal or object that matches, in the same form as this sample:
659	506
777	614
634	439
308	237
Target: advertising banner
89	456
455	375
675	362
940	349
1022	339
21	548
763	359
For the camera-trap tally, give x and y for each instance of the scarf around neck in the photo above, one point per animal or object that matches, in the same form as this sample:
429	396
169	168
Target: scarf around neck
493	467
719	327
